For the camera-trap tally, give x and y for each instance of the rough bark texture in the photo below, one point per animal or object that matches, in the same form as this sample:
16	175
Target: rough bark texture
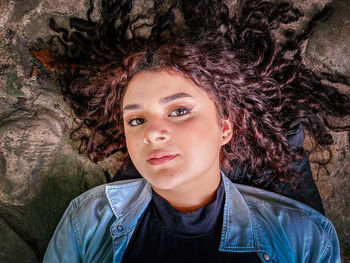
40	168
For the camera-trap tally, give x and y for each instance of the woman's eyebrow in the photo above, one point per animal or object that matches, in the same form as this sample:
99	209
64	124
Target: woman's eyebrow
164	100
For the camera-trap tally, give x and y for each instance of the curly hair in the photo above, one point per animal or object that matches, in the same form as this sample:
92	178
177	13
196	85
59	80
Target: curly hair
261	85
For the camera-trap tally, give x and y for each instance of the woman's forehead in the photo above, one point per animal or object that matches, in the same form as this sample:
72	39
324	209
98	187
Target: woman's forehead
160	85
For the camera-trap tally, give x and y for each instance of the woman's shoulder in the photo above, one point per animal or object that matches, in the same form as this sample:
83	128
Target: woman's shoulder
266	203
289	219
290	225
88	218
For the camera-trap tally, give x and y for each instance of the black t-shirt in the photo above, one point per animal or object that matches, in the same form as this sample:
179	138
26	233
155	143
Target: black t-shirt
164	234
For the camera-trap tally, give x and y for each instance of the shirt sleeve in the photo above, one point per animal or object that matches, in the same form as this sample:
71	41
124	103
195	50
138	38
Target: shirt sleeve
331	251
315	242
65	245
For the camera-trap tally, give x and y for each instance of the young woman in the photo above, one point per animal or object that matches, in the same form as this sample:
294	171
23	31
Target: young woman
187	108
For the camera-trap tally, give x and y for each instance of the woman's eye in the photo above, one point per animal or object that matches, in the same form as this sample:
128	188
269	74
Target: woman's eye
136	122
179	112
175	113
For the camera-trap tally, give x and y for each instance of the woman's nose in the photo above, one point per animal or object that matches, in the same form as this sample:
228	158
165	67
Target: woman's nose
156	132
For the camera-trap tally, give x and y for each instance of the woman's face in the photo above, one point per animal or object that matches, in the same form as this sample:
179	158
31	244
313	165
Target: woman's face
172	131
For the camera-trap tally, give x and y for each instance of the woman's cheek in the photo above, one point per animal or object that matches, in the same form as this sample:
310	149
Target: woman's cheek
131	143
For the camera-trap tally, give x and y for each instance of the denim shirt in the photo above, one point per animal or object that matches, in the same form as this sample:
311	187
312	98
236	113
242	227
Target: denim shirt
277	228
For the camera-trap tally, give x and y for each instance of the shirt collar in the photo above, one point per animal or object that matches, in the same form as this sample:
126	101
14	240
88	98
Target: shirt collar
237	231
129	199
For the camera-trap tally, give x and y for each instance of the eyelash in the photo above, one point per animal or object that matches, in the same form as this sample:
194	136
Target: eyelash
187	111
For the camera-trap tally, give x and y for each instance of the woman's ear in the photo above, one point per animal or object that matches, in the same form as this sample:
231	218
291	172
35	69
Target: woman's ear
226	131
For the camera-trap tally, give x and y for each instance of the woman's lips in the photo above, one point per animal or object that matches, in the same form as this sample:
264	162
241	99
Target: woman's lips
164	159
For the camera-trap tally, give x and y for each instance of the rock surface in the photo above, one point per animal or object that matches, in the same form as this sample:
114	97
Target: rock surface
40	169
328	50
329	45
13	247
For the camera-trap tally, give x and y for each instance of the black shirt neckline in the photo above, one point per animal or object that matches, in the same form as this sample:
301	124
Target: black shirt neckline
201	222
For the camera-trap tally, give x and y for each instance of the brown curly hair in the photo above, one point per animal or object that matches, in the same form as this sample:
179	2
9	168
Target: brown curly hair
237	61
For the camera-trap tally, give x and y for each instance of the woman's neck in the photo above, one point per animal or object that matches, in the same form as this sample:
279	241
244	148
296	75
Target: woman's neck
190	197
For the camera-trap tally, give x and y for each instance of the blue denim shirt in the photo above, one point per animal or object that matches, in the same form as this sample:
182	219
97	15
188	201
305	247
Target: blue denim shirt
98	225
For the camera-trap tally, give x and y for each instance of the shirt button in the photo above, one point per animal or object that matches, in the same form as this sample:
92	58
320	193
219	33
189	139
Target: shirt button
120	228
266	256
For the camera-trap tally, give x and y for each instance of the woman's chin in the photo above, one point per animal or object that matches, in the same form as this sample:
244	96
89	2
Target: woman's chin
164	181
